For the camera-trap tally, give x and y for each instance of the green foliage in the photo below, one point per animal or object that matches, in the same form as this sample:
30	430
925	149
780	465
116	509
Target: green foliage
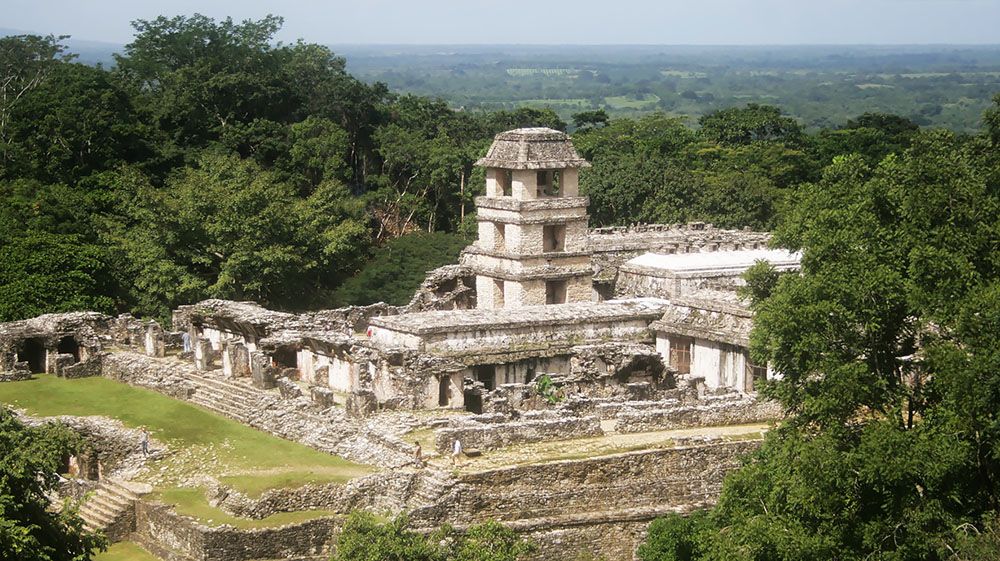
753	123
44	273
546	388
364	538
676	538
398	268
761	279
886	345
30	459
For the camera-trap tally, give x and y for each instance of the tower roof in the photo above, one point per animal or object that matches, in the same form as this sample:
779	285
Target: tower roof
532	148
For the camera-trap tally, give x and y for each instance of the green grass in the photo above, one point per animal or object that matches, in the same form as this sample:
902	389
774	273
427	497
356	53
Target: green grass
125	551
191	502
247	459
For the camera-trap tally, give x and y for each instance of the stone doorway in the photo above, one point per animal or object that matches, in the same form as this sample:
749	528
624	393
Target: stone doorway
32	351
68	345
444	391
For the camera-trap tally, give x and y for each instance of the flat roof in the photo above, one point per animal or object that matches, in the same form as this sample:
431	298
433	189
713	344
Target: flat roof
715	260
425	323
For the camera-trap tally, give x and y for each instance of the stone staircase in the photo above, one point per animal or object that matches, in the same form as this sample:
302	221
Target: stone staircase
431	486
229	399
110	507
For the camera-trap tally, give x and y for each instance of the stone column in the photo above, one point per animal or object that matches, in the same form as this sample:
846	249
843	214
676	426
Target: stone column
203	354
155	346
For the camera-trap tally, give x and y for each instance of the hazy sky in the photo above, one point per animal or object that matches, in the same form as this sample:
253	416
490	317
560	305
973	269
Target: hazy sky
724	22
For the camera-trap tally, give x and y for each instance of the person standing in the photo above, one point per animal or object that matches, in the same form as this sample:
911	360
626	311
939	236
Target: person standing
145	441
418	455
456	452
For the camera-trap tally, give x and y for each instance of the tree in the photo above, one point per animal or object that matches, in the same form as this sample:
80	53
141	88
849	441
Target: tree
25	63
886	343
29	464
991	119
591	119
743	125
397	269
197	76
74	123
43	273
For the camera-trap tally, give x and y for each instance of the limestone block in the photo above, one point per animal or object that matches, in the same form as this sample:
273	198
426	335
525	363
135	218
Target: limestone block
261	372
204	355
361	404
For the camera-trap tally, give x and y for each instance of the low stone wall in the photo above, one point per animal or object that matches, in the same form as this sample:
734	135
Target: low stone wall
15	375
140	370
490	436
179	538
721	413
378	492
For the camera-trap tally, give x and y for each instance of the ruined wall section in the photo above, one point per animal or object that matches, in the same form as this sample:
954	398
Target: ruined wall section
561	502
613	246
178	538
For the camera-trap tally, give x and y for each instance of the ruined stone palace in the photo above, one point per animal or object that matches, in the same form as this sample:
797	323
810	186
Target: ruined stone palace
546	331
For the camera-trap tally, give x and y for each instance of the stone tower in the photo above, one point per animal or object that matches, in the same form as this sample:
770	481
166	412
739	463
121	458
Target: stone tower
532	248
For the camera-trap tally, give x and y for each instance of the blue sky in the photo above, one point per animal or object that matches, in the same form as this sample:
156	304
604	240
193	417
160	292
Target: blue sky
704	22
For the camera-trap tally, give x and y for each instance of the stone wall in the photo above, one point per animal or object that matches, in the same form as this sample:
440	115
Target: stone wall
174	537
169	378
378	492
612	246
490	436
567	504
721	413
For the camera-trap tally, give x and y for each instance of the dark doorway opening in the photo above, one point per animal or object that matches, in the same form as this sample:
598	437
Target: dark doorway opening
487	375
69	346
33	352
474	401
286	357
443	391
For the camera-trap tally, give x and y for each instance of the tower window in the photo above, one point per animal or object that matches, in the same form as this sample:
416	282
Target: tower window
504	182
555	292
548	183
554	238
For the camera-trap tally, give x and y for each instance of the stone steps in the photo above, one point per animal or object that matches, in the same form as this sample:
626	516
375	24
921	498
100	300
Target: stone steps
235	389
432	484
107	503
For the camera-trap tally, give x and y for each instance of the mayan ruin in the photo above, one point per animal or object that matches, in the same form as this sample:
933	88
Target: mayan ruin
595	378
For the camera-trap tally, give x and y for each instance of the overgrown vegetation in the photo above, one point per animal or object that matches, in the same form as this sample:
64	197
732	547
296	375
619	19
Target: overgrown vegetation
366	538
30	460
887	346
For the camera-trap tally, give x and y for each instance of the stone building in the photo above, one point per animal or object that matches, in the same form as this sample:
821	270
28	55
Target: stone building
532	247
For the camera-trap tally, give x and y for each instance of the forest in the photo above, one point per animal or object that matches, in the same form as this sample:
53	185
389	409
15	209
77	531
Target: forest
208	161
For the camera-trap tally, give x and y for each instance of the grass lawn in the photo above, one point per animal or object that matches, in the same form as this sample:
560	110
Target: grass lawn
203	442
125	551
